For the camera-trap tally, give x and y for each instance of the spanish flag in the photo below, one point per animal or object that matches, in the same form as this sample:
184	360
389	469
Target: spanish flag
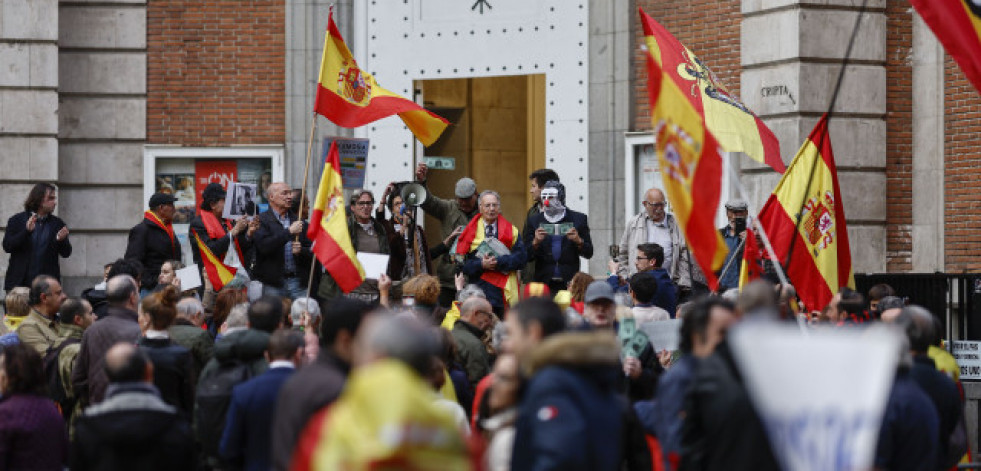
328	227
689	157
350	97
734	126
816	252
218	273
957	24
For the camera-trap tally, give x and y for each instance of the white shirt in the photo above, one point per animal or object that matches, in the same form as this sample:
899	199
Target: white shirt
660	234
157	334
281	364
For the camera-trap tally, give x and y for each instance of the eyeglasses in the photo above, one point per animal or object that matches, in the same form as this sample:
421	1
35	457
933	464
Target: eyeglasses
491	205
642	258
654	205
364	203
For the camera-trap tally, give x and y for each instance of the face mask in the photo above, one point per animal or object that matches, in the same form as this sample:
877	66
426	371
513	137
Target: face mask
554	210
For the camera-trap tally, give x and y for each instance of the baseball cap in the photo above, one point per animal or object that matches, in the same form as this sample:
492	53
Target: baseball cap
465	187
597	290
161	198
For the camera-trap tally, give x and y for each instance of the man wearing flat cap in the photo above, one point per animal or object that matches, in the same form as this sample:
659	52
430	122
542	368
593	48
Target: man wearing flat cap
152	241
453	216
227	240
733	234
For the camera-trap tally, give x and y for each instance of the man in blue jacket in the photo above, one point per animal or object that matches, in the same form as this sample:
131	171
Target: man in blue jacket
650	258
247	439
35	238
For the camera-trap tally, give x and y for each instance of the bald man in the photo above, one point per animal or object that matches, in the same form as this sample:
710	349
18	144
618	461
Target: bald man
281	246
476	316
655	225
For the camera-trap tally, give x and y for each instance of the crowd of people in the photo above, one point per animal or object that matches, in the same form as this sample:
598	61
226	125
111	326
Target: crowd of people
486	349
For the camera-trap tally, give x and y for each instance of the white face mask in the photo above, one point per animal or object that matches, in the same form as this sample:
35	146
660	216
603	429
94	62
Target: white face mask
553	208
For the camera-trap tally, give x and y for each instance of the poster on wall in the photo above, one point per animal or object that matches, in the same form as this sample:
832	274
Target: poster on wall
214	171
354	157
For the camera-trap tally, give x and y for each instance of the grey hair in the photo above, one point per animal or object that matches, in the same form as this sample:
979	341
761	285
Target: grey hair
238	317
469	291
405	339
305	304
356	195
489	192
189	307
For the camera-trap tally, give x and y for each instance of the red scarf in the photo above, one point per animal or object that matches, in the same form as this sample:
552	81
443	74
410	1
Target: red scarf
217	229
505	234
168	228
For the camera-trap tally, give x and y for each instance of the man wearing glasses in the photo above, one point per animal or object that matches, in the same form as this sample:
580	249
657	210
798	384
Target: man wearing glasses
492	251
655	225
368	235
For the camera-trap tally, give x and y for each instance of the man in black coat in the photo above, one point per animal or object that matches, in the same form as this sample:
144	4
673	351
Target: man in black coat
278	252
35	238
133	428
556	257
152	241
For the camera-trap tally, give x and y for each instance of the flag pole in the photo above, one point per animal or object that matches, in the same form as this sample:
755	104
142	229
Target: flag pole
306	168
834	98
757	228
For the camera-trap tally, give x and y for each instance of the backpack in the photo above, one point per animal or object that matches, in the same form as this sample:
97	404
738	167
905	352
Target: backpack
51	371
212	400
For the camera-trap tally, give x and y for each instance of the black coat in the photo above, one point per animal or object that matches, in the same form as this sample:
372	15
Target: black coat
152	246
173	372
568	260
269	241
220	246
17	241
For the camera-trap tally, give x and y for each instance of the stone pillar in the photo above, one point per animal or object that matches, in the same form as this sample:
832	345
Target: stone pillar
792	51
28	102
928	150
610	111
102	130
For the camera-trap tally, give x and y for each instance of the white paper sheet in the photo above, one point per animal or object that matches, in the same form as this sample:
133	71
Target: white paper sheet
374	264
664	335
190	277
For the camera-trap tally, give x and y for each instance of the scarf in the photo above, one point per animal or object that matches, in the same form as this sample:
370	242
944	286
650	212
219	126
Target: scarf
471	238
216	229
168	228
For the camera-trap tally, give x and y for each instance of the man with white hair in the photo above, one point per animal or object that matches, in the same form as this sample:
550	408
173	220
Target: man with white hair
493	253
186	331
280	245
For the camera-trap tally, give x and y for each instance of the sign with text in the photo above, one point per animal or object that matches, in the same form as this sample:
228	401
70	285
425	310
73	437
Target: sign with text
354	157
821	396
967	353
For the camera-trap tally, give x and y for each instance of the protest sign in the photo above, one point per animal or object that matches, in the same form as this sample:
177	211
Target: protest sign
240	201
190	277
968	357
374	264
663	335
354	156
821	397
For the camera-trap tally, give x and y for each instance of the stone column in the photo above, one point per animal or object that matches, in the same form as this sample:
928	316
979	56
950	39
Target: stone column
792	51
928	150
28	102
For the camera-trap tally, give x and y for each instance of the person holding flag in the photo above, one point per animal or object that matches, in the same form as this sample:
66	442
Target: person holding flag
152	241
227	241
492	251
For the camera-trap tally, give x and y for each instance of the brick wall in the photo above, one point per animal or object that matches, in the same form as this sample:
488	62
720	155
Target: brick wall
709	28
899	136
216	72
962	155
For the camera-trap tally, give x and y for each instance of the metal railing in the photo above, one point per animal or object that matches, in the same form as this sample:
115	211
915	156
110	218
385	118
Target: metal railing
954	298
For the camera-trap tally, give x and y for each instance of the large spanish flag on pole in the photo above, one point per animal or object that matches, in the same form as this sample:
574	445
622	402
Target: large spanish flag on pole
814	246
328	227
957	24
734	126
350	97
218	273
689	157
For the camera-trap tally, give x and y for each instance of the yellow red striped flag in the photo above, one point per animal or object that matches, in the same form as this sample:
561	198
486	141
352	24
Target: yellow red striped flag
816	251
350	97
957	24
689	157
328	227
735	127
218	273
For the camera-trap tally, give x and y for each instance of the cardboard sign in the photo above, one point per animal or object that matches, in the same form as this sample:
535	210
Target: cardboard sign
822	396
354	157
967	353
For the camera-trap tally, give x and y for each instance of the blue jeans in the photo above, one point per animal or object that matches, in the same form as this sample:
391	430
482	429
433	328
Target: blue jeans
291	289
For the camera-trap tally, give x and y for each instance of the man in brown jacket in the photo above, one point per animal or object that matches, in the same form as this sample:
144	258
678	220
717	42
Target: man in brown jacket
89	379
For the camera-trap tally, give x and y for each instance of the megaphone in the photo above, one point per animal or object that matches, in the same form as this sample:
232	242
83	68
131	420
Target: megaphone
414	194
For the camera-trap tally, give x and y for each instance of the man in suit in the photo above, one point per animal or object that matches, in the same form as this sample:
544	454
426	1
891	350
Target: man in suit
556	256
35	238
246	442
152	241
280	246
